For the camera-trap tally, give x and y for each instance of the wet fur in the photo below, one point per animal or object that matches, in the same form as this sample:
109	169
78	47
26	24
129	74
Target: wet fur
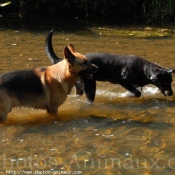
42	88
129	71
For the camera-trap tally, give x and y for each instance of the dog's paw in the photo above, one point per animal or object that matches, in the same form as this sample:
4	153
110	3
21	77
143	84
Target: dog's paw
137	93
52	110
3	117
89	101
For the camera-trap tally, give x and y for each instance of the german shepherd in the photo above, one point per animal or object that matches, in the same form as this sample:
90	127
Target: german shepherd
129	71
43	88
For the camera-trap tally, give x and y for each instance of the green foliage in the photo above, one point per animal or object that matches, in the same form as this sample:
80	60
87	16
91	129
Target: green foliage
158	10
151	11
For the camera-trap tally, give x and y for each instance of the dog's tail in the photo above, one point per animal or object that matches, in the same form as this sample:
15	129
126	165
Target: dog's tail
49	49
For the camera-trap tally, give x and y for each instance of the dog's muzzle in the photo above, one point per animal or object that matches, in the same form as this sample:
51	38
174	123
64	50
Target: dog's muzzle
88	73
95	69
167	93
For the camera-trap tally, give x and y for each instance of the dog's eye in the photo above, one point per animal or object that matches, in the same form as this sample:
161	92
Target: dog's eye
84	62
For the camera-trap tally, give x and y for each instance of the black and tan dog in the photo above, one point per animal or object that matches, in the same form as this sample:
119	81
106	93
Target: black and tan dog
43	88
129	71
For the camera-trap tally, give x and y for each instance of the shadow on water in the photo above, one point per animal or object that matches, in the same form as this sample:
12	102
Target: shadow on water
98	122
121	112
52	125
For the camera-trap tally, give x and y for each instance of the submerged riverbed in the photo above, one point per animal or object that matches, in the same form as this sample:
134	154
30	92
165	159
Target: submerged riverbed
116	134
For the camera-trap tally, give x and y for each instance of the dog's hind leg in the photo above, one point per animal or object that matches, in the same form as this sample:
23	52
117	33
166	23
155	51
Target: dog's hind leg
89	89
131	89
5	106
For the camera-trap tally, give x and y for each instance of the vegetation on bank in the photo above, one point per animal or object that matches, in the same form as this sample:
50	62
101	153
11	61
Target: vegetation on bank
150	11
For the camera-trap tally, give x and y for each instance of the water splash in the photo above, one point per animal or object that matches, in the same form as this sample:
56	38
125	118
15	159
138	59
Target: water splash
150	90
111	94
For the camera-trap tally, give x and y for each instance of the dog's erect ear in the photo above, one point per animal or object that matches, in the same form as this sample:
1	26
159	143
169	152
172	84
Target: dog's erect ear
169	70
69	56
71	48
156	72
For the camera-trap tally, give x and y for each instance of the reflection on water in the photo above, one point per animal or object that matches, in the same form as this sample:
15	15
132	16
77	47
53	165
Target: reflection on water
117	134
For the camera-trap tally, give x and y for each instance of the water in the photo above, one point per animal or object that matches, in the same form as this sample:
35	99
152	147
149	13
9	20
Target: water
116	135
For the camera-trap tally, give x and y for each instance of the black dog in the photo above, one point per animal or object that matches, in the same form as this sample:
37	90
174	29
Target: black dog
129	71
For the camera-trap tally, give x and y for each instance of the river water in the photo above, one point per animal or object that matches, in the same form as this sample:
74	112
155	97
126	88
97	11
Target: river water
116	135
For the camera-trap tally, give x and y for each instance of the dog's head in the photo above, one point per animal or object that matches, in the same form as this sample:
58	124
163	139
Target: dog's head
162	78
78	63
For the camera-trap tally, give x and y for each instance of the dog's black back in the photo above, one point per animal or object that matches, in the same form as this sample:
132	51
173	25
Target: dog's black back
22	84
114	68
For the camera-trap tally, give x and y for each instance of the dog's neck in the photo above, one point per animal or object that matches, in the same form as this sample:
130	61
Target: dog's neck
61	73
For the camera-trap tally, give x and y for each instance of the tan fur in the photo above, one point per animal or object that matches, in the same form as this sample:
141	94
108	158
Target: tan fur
56	81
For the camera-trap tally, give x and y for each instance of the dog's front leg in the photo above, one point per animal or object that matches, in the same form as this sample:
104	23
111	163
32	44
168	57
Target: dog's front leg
79	86
5	106
131	89
89	89
55	102
52	109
